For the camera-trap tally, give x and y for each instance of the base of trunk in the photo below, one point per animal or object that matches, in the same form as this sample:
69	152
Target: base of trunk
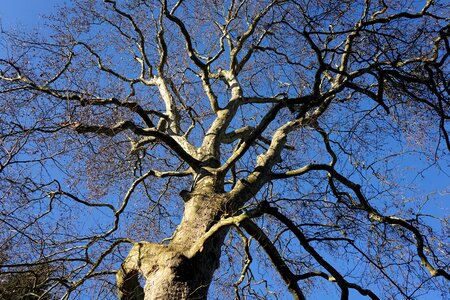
174	272
169	274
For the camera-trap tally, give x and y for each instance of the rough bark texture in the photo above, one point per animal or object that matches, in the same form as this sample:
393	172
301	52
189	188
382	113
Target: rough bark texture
182	269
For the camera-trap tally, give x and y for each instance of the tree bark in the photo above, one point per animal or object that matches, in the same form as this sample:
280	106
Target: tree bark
174	271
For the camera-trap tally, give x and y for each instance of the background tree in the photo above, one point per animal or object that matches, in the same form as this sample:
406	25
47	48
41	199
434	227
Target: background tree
263	148
27	284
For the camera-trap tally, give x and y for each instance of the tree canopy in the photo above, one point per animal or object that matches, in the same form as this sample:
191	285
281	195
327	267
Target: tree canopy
242	149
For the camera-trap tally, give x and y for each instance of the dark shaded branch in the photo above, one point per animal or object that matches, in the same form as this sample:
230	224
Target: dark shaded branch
142	42
342	283
374	215
377	97
187	37
152	132
286	274
362	291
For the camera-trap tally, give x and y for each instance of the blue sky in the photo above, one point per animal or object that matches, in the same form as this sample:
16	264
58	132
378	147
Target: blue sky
27	13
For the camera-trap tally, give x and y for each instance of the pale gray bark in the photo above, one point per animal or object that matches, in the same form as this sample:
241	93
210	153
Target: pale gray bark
183	269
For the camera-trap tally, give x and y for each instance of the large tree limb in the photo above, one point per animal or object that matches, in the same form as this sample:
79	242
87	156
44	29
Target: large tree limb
374	214
152	132
286	274
336	275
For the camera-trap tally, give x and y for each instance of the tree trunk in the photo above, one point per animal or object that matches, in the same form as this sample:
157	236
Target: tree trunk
175	271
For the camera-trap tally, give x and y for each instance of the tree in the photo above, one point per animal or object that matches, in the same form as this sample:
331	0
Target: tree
186	145
30	284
